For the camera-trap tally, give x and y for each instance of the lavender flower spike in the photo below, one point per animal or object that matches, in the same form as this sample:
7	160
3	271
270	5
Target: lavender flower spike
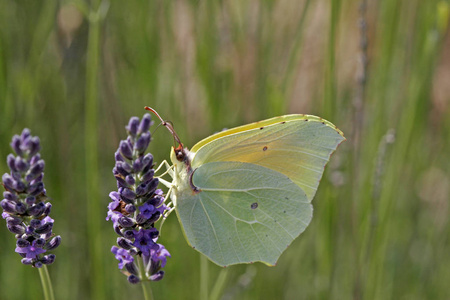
25	206
137	205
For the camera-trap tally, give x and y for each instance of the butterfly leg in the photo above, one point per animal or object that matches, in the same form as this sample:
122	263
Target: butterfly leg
169	169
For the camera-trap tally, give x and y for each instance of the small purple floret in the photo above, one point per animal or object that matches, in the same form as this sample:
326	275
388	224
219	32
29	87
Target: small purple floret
122	256
31	251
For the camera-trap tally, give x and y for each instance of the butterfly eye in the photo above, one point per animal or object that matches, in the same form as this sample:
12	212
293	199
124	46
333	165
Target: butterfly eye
180	155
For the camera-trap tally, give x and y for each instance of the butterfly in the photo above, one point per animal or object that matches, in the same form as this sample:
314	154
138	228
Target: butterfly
244	194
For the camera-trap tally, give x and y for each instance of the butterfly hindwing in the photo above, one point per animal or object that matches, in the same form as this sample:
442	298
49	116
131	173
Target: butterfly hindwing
243	213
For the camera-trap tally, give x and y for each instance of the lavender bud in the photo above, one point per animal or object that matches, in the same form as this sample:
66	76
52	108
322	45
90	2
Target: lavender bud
40	242
133	251
131	267
137	165
125	222
8	206
20	186
123	168
35	223
142	189
34	146
118	230
46	228
147	161
17	229
130	208
118	156
127	193
126	150
35	180
36	169
35	159
153	185
54	243
155	217
10	196
15	144
147	169
30	200
148	175
12	220
157	276
123	243
37	209
32	188
140	219
22	243
128	234
48	208
39	189
133	279
8	182
38	264
20	208
121	183
20	164
130	180
130	141
142	142
145	123
27	261
48	259
10	160
25	135
156	201
16	176
132	126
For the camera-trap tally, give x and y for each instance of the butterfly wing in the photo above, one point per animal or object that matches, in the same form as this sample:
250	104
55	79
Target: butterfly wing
298	146
243	213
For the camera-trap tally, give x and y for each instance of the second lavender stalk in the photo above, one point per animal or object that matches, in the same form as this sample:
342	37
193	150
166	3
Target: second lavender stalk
137	205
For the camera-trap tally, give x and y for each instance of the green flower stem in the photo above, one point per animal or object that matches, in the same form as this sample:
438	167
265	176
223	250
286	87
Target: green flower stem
148	295
91	160
203	277
217	290
46	283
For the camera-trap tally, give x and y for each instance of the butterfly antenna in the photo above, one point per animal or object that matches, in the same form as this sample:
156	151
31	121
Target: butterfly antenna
168	125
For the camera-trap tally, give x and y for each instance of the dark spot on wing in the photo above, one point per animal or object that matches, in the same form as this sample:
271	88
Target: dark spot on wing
283	122
254	205
261	127
265	148
306	120
286	198
284	211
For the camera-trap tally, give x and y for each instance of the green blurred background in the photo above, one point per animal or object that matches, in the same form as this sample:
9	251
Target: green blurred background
75	72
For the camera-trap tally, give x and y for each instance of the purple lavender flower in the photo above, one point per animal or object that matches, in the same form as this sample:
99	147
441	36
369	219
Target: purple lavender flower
122	255
137	205
25	206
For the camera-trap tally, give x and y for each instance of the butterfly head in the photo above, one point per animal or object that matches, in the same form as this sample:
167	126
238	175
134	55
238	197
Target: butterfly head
179	154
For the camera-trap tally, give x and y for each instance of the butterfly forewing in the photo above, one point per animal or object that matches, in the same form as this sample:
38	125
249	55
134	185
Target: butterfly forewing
298	146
